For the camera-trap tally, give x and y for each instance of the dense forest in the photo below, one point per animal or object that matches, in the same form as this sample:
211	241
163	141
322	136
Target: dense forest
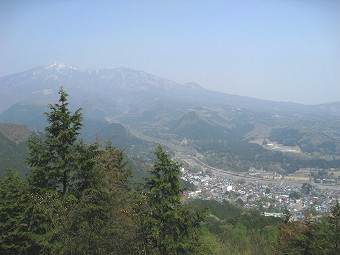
78	198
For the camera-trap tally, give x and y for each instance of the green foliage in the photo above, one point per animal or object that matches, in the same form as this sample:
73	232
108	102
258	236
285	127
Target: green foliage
14	201
286	136
195	127
239	232
237	238
210	243
170	228
78	200
55	158
311	236
295	195
25	221
334	221
224	210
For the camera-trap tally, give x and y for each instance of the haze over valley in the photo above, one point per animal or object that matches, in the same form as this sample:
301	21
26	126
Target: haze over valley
189	127
134	108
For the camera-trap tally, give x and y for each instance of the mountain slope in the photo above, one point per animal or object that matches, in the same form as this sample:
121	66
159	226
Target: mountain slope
114	132
13	147
122	90
30	115
193	126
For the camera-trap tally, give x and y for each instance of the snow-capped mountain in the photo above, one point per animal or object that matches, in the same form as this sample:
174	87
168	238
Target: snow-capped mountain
107	92
119	89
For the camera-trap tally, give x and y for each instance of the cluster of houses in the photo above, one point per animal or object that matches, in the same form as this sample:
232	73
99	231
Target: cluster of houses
271	198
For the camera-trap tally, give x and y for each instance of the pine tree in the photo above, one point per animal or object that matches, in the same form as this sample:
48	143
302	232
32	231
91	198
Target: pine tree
170	227
53	158
121	227
77	199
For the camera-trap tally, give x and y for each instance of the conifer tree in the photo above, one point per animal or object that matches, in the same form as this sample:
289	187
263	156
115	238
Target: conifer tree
55	157
170	227
14	237
76	188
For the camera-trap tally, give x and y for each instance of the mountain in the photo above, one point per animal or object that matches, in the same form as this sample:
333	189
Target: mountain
106	92
229	131
100	91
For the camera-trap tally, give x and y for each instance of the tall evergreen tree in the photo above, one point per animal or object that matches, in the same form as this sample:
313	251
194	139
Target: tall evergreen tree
55	157
78	189
170	228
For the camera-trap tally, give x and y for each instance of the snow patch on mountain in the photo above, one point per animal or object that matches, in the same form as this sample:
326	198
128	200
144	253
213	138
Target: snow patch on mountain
60	67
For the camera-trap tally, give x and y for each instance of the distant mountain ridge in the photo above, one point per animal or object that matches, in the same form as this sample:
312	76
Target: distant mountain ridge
124	90
135	110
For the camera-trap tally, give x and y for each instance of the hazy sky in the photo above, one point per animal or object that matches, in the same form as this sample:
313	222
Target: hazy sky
283	50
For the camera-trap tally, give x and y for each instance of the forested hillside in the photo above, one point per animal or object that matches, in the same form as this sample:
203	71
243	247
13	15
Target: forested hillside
13	147
79	199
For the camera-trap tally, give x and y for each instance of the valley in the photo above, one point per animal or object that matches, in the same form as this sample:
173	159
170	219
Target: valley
170	127
137	110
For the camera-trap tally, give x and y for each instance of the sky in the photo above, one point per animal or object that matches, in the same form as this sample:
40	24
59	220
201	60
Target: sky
281	50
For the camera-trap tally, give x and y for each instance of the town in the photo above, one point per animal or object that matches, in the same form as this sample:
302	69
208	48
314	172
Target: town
271	197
